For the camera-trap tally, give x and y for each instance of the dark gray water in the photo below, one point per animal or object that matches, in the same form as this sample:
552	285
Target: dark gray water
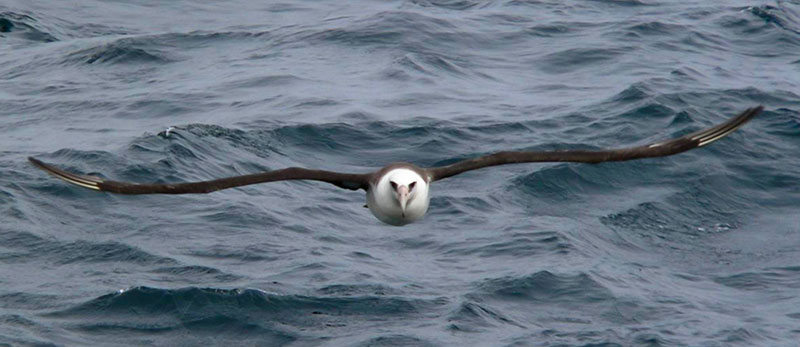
698	249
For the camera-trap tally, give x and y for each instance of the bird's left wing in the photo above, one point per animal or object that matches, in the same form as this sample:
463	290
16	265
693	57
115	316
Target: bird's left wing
659	149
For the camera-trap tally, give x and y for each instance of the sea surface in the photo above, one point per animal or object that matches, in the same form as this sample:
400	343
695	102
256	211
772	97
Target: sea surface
697	249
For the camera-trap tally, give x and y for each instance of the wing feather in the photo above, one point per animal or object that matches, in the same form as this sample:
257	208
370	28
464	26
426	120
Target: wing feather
659	149
342	180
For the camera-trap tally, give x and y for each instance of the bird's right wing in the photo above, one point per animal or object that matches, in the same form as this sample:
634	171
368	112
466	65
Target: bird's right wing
342	180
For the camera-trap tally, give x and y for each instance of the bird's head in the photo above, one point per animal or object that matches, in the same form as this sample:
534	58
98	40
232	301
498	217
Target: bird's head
407	186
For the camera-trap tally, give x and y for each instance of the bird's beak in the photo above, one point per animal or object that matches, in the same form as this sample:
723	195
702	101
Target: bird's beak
402	196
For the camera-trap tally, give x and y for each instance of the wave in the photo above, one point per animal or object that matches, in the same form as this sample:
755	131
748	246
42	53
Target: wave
398	340
24	26
574	59
545	287
123	51
687	250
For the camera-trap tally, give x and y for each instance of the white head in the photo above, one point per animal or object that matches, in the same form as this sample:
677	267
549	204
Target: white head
400	197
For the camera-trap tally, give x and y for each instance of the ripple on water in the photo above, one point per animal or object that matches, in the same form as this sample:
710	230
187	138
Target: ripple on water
397	340
695	211
235	313
568	306
519	245
195	274
29	246
23	331
777	279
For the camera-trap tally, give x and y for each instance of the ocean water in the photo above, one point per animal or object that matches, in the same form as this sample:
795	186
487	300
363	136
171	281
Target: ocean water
699	249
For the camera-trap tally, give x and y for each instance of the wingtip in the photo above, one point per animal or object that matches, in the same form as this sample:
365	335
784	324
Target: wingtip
710	135
79	180
755	110
40	164
747	115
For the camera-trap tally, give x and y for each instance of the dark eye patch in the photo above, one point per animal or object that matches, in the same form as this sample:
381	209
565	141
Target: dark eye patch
411	186
394	185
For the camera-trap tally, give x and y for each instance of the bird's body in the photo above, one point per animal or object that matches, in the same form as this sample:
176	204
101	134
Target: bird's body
399	193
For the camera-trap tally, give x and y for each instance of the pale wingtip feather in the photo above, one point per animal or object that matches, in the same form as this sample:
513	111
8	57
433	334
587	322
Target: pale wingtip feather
717	133
78	180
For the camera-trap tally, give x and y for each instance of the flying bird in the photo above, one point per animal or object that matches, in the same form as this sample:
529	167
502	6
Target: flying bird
398	193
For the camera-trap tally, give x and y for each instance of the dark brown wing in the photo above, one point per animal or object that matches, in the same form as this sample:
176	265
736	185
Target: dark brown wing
342	180
660	149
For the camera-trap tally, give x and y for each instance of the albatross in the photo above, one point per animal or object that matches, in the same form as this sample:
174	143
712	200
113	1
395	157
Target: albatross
398	193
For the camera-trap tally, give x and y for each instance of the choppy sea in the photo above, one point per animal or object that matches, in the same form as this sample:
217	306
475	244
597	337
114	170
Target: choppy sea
697	249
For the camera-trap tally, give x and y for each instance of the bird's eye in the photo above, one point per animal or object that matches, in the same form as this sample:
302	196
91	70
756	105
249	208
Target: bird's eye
411	186
394	185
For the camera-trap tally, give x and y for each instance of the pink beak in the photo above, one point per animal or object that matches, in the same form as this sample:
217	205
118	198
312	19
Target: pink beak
402	197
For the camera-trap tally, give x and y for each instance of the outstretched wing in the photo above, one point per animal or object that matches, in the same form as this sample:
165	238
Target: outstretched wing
659	149
342	180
